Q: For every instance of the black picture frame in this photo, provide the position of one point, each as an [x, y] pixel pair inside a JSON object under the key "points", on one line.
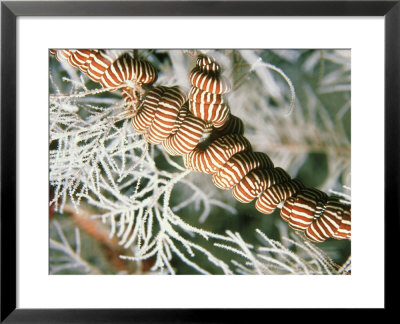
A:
{"points": [[10, 10]]}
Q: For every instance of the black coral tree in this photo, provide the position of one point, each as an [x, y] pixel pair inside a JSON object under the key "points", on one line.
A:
{"points": [[120, 205]]}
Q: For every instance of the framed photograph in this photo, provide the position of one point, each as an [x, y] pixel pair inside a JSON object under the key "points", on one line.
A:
{"points": [[161, 160]]}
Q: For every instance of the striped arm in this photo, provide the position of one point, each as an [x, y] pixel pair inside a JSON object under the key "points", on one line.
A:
{"points": [[165, 118], [108, 71], [205, 97], [318, 215]]}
